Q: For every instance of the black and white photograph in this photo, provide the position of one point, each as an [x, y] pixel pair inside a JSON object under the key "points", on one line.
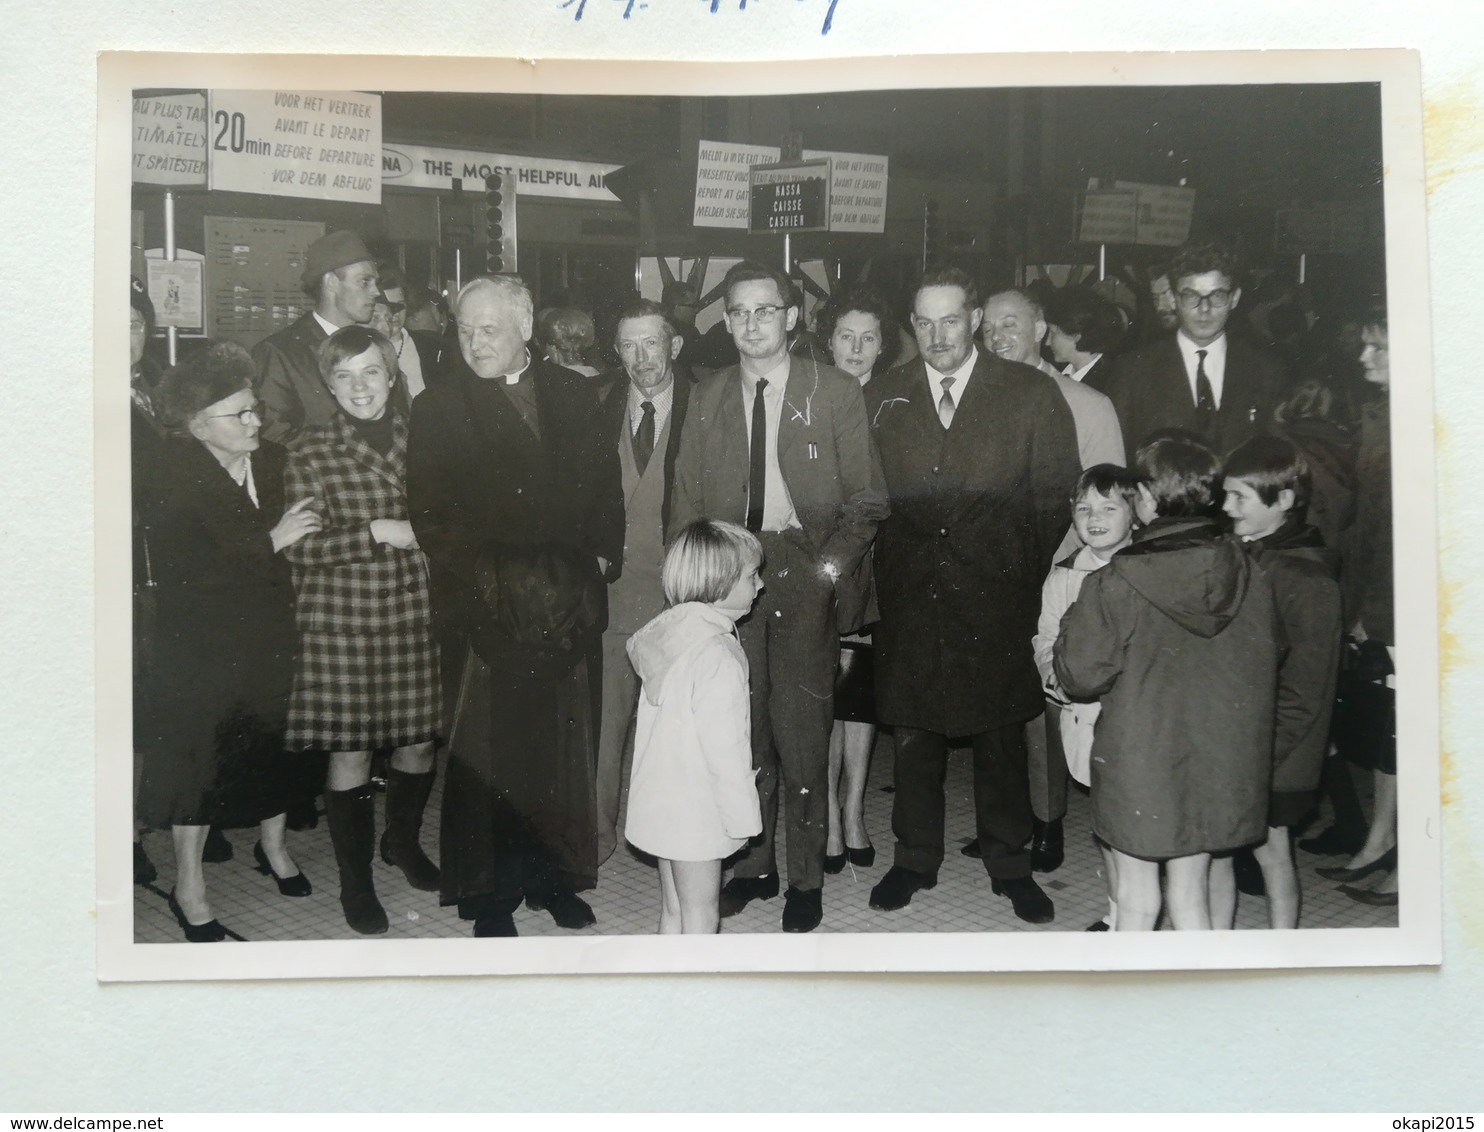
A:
{"points": [[873, 515]]}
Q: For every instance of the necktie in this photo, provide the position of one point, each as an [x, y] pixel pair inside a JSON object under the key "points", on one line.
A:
{"points": [[945, 403], [757, 477], [1205, 398], [644, 437]]}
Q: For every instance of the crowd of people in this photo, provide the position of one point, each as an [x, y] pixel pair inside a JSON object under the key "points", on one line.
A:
{"points": [[1140, 553]]}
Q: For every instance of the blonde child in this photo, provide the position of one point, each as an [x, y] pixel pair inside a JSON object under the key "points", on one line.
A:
{"points": [[1103, 516], [692, 796]]}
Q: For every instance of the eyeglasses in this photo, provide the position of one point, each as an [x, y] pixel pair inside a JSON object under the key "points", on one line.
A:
{"points": [[1216, 300], [245, 417], [763, 316]]}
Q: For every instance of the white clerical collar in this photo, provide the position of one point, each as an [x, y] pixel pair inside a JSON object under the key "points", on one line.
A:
{"points": [[514, 378]]}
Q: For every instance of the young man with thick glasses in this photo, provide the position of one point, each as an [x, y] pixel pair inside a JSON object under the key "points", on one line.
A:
{"points": [[1202, 379]]}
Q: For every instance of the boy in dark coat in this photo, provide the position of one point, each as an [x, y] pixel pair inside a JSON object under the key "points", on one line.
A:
{"points": [[1267, 488], [1178, 638]]}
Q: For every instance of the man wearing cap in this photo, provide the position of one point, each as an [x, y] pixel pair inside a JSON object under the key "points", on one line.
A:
{"points": [[340, 275], [421, 357]]}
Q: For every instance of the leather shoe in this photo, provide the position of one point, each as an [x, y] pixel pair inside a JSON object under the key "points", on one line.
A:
{"points": [[802, 909], [1333, 842], [972, 849], [567, 909], [209, 932], [738, 892], [144, 868], [861, 858], [834, 863], [1099, 926], [1367, 896], [895, 889], [1386, 860], [217, 848], [1030, 903], [488, 927], [296, 885], [1047, 852]]}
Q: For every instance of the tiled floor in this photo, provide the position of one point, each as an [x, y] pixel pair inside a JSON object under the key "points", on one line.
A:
{"points": [[626, 900]]}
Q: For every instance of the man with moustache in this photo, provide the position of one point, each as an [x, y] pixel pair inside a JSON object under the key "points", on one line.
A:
{"points": [[514, 494], [1201, 379], [643, 409], [980, 455], [340, 276], [781, 443]]}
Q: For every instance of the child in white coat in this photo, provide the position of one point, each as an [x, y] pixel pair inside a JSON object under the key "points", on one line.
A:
{"points": [[692, 792], [1104, 517]]}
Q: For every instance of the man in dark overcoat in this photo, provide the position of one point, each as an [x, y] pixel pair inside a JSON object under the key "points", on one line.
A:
{"points": [[510, 478], [1201, 379], [340, 276], [644, 405], [782, 443], [980, 457]]}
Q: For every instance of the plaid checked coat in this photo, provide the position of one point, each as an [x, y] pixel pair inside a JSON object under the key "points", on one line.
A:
{"points": [[367, 672]]}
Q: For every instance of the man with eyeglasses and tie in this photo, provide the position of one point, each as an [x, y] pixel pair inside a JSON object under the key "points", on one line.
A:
{"points": [[782, 445], [644, 405], [1201, 379], [980, 455]]}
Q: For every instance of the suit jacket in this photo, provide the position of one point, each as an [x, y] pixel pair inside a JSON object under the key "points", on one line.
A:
{"points": [[829, 464], [294, 395], [1151, 392], [1099, 437], [437, 355], [613, 390], [977, 512], [477, 479]]}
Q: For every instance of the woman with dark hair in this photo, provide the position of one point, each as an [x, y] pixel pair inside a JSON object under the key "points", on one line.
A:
{"points": [[224, 645], [863, 341], [367, 675], [1082, 329]]}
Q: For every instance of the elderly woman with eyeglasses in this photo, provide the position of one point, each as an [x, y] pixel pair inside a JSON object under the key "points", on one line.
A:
{"points": [[225, 639]]}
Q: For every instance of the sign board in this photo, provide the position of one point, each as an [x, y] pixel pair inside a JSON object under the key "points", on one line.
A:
{"points": [[790, 196], [176, 291], [1108, 217], [857, 186], [325, 145], [253, 270], [1165, 212], [436, 167], [169, 140], [1319, 231]]}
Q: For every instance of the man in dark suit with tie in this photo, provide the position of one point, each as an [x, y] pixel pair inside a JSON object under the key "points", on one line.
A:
{"points": [[340, 275], [980, 456], [782, 444], [644, 406], [1221, 388]]}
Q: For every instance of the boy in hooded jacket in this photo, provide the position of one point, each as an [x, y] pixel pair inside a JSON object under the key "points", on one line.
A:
{"points": [[1178, 638]]}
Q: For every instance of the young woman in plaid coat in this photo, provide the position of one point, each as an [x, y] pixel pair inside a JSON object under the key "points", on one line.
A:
{"points": [[367, 675]]}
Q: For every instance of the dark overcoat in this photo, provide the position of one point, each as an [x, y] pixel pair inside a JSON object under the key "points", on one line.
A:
{"points": [[519, 806], [224, 643], [1179, 640], [1151, 392], [977, 512], [350, 695]]}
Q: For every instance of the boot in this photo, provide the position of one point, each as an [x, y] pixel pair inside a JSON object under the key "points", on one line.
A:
{"points": [[406, 795], [351, 815]]}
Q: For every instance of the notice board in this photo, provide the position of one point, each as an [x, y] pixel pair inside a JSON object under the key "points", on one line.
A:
{"points": [[252, 275]]}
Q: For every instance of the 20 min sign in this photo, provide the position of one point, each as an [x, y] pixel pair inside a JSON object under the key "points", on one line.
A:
{"points": [[320, 144]]}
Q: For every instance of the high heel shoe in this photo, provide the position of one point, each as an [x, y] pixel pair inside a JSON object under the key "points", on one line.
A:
{"points": [[1385, 861], [835, 862], [861, 858], [296, 885], [1371, 897], [209, 932]]}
